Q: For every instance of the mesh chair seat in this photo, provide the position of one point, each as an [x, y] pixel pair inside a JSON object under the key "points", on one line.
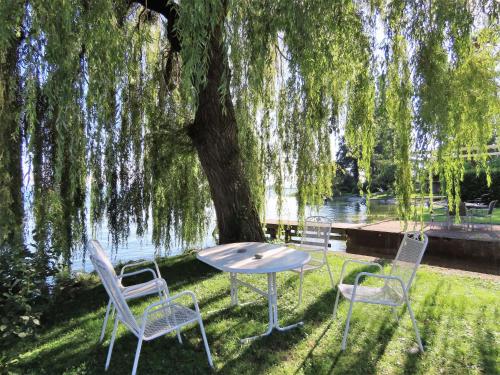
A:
{"points": [[368, 294], [147, 288], [309, 267], [166, 319]]}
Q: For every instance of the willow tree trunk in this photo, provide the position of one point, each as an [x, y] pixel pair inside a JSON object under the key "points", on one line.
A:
{"points": [[11, 222], [215, 135]]}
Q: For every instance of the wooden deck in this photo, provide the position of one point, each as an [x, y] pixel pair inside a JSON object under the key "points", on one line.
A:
{"points": [[294, 223], [291, 233], [477, 250], [480, 232]]}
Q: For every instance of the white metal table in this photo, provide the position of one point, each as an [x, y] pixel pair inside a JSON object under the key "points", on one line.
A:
{"points": [[241, 258], [476, 205]]}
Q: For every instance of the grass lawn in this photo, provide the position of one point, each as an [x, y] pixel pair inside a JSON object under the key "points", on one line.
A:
{"points": [[457, 315], [495, 217]]}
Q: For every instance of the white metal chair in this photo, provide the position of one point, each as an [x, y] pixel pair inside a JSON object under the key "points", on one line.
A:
{"points": [[397, 284], [158, 319], [482, 213], [315, 239], [449, 215], [154, 286]]}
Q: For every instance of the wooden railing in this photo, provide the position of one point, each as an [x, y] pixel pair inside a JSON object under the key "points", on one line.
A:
{"points": [[291, 232]]}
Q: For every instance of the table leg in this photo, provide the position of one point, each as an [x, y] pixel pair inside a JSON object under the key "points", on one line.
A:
{"points": [[276, 321], [270, 306], [272, 301], [234, 289]]}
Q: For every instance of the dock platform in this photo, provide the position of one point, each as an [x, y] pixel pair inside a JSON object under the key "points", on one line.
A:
{"points": [[477, 250]]}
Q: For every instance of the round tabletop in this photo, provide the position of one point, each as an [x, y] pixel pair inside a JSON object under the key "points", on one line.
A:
{"points": [[240, 257]]}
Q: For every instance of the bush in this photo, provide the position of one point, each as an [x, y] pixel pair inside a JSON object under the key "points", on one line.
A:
{"points": [[474, 186], [344, 182], [383, 176], [20, 295]]}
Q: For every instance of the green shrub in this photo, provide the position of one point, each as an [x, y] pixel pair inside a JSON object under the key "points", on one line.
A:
{"points": [[20, 296], [474, 186]]}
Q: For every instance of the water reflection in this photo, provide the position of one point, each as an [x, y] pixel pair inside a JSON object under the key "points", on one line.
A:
{"points": [[344, 209], [348, 209]]}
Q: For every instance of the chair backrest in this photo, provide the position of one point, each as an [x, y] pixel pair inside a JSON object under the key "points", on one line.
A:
{"points": [[108, 277], [491, 206], [97, 251], [315, 237], [409, 256]]}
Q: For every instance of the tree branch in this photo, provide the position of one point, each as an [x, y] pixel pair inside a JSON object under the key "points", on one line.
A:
{"points": [[167, 9]]}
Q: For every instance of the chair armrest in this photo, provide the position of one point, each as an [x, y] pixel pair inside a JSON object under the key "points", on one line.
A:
{"points": [[158, 275], [124, 275], [357, 262]]}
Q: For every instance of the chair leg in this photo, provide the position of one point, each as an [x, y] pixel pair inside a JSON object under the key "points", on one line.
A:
{"points": [[164, 295], [137, 355], [103, 330], [179, 337], [110, 350], [330, 273], [336, 302], [395, 313], [205, 342], [300, 287], [420, 346], [346, 331]]}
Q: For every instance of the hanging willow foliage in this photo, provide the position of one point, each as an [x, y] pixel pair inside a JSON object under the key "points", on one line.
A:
{"points": [[399, 94], [107, 91]]}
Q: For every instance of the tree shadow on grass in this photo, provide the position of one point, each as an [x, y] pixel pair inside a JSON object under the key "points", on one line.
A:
{"points": [[486, 343], [157, 356], [53, 333], [57, 358], [186, 269], [427, 326], [309, 355], [165, 354], [268, 351], [374, 344], [182, 270], [77, 307]]}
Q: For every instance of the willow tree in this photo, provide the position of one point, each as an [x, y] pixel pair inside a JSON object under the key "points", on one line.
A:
{"points": [[163, 108]]}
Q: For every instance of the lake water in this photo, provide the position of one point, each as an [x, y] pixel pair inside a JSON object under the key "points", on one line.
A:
{"points": [[351, 209]]}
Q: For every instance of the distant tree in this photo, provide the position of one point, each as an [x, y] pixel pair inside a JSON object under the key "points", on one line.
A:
{"points": [[383, 164], [347, 173]]}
